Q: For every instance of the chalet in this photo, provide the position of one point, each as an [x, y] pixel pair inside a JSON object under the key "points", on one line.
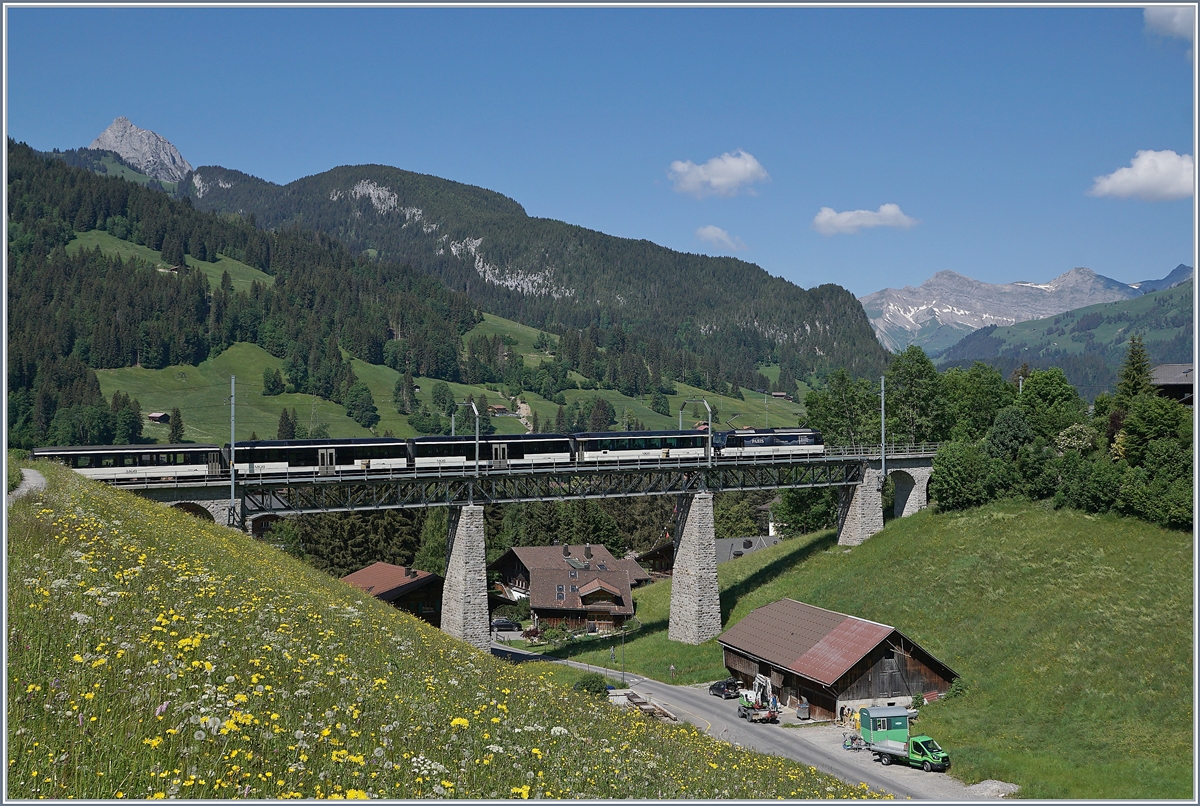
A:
{"points": [[831, 659], [158, 417], [1176, 381], [418, 592], [571, 587], [499, 411]]}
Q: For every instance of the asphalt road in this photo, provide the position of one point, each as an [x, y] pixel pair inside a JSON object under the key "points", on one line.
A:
{"points": [[817, 746]]}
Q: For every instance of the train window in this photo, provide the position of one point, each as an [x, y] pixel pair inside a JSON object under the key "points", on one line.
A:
{"points": [[82, 461]]}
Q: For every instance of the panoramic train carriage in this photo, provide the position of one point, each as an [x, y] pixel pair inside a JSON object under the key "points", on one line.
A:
{"points": [[640, 446], [760, 443], [500, 452], [138, 463], [321, 457]]}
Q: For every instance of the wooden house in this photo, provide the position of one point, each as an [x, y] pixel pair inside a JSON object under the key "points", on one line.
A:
{"points": [[418, 592], [831, 659], [570, 587]]}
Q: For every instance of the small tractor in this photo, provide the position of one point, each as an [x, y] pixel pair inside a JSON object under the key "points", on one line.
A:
{"points": [[758, 703]]}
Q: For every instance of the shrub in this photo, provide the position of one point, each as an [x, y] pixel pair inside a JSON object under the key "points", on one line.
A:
{"points": [[592, 683]]}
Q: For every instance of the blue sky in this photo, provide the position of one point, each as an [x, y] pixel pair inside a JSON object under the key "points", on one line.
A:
{"points": [[865, 147]]}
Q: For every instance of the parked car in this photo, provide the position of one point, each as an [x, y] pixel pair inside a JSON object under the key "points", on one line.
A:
{"points": [[505, 624], [725, 689]]}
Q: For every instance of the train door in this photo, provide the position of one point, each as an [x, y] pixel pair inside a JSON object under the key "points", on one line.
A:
{"points": [[500, 455], [326, 461], [214, 464]]}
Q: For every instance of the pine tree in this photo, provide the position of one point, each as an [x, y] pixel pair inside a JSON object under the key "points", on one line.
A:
{"points": [[1134, 378], [560, 421], [287, 426], [175, 435]]}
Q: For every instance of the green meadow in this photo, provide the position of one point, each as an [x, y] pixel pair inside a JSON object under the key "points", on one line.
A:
{"points": [[241, 274], [1073, 635], [153, 655]]}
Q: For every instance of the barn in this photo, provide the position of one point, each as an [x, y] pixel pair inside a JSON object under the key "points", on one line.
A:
{"points": [[831, 659]]}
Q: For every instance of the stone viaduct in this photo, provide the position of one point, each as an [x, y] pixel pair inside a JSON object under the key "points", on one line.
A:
{"points": [[695, 601]]}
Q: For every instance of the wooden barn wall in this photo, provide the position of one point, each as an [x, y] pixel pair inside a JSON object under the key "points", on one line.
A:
{"points": [[871, 678]]}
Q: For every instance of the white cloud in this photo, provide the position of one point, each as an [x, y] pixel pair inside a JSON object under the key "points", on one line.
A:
{"points": [[829, 222], [720, 176], [1151, 176], [719, 238], [1176, 21]]}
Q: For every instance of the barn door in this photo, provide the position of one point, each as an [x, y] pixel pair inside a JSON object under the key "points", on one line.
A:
{"points": [[326, 461]]}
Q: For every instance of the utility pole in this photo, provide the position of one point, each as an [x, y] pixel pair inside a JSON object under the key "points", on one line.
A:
{"points": [[882, 431], [708, 448], [232, 450]]}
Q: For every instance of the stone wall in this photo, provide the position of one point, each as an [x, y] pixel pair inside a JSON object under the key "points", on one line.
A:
{"points": [[464, 595], [695, 599]]}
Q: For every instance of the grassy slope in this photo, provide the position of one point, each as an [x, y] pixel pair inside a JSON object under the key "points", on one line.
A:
{"points": [[241, 274], [1072, 632], [151, 655]]}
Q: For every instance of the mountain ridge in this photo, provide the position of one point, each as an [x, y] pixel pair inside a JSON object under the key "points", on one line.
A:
{"points": [[548, 273], [948, 306]]}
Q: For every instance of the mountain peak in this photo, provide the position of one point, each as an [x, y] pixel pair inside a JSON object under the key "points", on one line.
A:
{"points": [[150, 153]]}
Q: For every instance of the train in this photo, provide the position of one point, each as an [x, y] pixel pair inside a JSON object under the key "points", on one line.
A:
{"points": [[432, 455]]}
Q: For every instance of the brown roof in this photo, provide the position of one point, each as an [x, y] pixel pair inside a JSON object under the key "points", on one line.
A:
{"points": [[552, 557], [597, 584], [387, 582], [811, 641], [544, 582]]}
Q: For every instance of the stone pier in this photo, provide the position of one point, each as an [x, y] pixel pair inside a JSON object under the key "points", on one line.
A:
{"points": [[860, 514], [695, 599], [464, 595]]}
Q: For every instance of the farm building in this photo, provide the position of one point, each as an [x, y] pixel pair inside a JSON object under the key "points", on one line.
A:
{"points": [[418, 592], [661, 559], [831, 659], [1175, 381], [158, 417], [571, 587]]}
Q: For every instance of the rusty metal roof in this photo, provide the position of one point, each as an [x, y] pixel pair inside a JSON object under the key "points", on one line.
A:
{"points": [[387, 582], [811, 641]]}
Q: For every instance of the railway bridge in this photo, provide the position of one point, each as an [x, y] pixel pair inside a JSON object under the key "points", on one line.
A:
{"points": [[858, 473]]}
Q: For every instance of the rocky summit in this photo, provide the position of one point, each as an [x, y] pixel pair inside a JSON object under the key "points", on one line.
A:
{"points": [[150, 153], [948, 306]]}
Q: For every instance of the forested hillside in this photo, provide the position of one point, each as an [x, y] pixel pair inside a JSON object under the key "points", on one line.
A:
{"points": [[71, 313], [728, 313]]}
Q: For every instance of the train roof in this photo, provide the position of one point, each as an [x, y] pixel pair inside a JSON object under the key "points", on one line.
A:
{"points": [[316, 443], [143, 448], [631, 434]]}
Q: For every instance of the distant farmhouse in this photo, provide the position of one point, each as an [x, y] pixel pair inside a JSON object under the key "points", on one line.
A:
{"points": [[831, 659], [580, 587], [661, 559], [418, 592], [1176, 381]]}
